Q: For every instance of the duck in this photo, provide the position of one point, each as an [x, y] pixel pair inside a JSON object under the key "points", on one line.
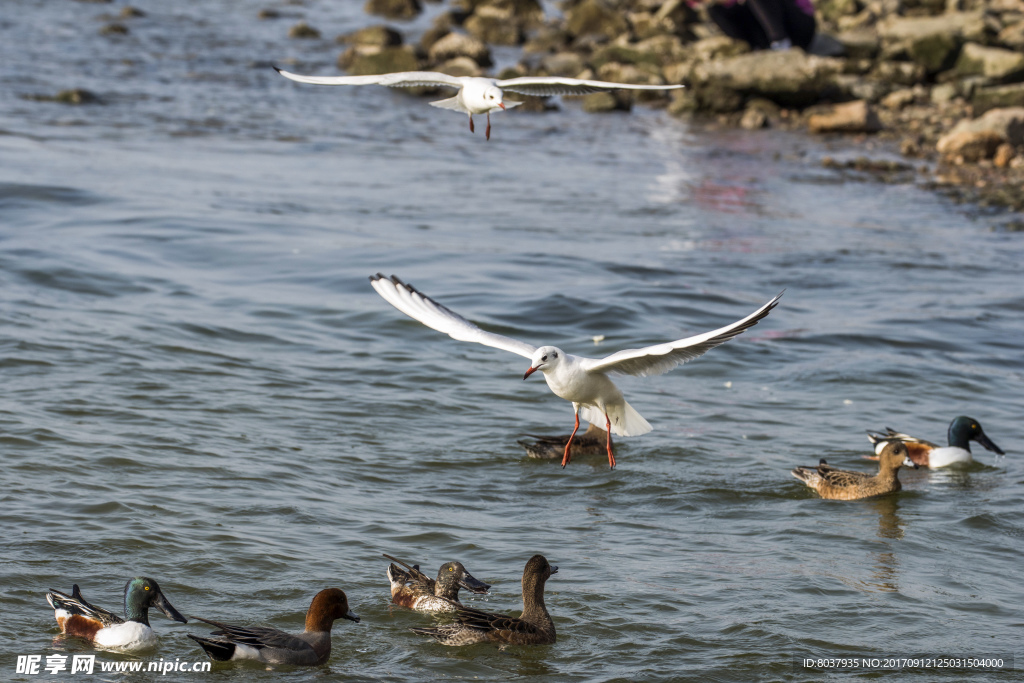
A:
{"points": [[533, 627], [962, 430], [590, 442], [76, 617], [264, 644], [413, 589], [846, 485]]}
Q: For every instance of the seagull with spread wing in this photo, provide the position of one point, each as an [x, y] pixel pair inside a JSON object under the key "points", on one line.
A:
{"points": [[583, 381], [477, 95]]}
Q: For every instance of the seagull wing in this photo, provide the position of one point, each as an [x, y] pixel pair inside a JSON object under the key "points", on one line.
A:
{"points": [[432, 314], [660, 358], [550, 85], [401, 79]]}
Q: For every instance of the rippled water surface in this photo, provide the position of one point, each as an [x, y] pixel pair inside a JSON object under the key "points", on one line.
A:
{"points": [[200, 385]]}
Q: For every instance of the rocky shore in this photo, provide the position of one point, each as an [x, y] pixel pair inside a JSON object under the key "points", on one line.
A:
{"points": [[941, 81]]}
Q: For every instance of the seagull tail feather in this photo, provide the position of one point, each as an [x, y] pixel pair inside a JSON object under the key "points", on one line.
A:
{"points": [[624, 418]]}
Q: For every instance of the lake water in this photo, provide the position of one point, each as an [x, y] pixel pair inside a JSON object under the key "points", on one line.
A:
{"points": [[201, 386]]}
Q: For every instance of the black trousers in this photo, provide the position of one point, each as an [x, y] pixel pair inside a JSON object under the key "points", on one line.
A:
{"points": [[762, 22]]}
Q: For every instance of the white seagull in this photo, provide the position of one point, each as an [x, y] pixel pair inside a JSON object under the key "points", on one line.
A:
{"points": [[477, 95], [583, 381]]}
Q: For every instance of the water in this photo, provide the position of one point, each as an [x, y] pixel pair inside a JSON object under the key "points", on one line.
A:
{"points": [[200, 386]]}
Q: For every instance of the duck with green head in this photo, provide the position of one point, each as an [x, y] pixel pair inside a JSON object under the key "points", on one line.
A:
{"points": [[962, 430], [76, 617]]}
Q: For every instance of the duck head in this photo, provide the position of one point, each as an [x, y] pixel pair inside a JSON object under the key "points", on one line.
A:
{"points": [[963, 430], [453, 575], [327, 606], [545, 359], [895, 455], [140, 594]]}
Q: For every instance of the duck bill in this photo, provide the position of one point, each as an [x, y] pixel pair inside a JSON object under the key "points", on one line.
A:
{"points": [[167, 608], [554, 569], [352, 616], [907, 462], [987, 443], [529, 372], [471, 584]]}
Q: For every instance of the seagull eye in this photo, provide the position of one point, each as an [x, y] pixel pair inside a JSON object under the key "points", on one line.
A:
{"points": [[544, 357]]}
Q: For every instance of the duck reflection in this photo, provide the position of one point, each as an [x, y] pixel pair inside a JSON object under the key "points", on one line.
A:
{"points": [[885, 564]]}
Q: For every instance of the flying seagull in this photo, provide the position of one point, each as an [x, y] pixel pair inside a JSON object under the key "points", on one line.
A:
{"points": [[477, 95], [583, 381]]}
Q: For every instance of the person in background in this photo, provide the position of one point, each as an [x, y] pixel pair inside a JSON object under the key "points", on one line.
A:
{"points": [[764, 24]]}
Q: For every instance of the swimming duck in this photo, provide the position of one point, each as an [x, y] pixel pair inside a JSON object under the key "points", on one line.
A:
{"points": [[962, 430], [845, 485], [312, 647], [591, 442], [414, 589], [261, 643], [533, 627], [77, 617]]}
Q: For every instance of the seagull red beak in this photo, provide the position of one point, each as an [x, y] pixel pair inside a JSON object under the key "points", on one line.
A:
{"points": [[502, 105], [529, 372]]}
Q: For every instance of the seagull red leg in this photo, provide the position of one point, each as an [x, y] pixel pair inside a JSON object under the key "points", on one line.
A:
{"points": [[488, 125], [608, 427], [568, 444], [471, 129]]}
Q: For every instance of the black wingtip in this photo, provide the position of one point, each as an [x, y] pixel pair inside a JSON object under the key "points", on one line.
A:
{"points": [[276, 68]]}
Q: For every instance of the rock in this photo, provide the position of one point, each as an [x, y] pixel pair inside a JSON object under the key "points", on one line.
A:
{"points": [[114, 29], [372, 61], [623, 55], [304, 31], [984, 99], [567, 64], [394, 9], [265, 14], [899, 73], [754, 119], [860, 88], [1007, 123], [1012, 36], [997, 64], [630, 73], [664, 48], [460, 45], [75, 96], [374, 36], [933, 42], [898, 99], [969, 146], [788, 77], [859, 44], [1004, 155], [832, 10], [944, 93], [603, 102], [595, 18], [494, 26], [851, 117], [129, 12], [717, 47], [547, 39], [460, 66]]}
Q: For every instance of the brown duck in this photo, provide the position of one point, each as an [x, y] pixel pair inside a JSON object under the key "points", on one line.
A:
{"points": [[533, 627], [591, 442], [846, 485]]}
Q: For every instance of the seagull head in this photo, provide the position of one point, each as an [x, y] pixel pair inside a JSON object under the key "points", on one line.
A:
{"points": [[494, 96], [545, 359]]}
